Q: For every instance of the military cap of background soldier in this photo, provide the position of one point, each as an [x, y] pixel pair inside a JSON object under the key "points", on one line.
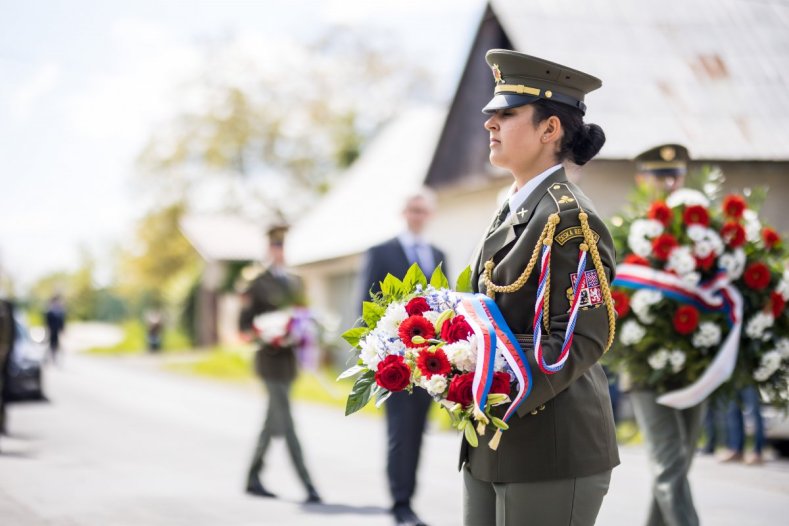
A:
{"points": [[662, 167], [522, 79], [276, 234]]}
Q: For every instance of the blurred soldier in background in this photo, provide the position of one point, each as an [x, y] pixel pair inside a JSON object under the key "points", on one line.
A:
{"points": [[55, 316], [273, 290], [405, 414]]}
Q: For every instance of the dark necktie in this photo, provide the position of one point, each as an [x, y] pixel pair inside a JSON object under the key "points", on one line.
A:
{"points": [[505, 211]]}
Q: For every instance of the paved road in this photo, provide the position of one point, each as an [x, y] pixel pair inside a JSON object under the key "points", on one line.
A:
{"points": [[123, 443]]}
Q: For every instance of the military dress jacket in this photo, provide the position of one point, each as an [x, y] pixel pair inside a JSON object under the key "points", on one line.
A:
{"points": [[267, 293], [565, 427]]}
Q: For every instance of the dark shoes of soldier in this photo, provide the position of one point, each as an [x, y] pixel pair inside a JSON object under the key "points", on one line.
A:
{"points": [[405, 516], [312, 496], [254, 487]]}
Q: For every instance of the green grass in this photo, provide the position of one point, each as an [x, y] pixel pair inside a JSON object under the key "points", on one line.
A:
{"points": [[134, 340]]}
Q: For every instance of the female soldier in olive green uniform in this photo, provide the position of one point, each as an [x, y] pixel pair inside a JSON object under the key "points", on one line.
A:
{"points": [[553, 465]]}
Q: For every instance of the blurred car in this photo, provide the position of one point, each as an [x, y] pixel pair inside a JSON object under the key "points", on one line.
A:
{"points": [[776, 428], [25, 366]]}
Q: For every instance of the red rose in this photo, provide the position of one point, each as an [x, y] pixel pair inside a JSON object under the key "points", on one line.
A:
{"points": [[756, 276], [734, 206], [621, 303], [431, 363], [659, 211], [416, 326], [460, 389], [663, 245], [635, 259], [686, 319], [777, 304], [706, 262], [733, 234], [501, 383], [696, 215], [417, 306], [393, 373], [456, 329], [770, 237]]}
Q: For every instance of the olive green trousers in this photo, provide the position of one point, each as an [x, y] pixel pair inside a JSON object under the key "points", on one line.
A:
{"points": [[563, 502]]}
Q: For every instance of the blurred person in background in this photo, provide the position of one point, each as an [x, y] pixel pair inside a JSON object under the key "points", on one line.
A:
{"points": [[154, 325], [406, 414], [747, 403], [670, 434], [55, 317], [275, 289], [7, 338]]}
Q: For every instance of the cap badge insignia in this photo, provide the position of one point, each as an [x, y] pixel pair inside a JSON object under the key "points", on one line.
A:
{"points": [[496, 73], [667, 153]]}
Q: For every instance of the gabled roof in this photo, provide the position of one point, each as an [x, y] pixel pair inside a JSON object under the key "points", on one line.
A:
{"points": [[364, 207], [710, 74]]}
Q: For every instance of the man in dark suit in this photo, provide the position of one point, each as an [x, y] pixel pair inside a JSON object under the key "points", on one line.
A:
{"points": [[275, 289], [405, 414]]}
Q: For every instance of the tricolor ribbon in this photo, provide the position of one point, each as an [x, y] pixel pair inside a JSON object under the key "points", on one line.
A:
{"points": [[716, 295], [492, 333]]}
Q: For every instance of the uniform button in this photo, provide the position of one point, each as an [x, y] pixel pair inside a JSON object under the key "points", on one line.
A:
{"points": [[542, 407], [534, 412]]}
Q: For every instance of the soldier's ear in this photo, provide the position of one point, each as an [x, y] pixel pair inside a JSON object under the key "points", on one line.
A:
{"points": [[552, 130]]}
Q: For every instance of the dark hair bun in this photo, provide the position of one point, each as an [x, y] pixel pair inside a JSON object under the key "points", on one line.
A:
{"points": [[586, 143]]}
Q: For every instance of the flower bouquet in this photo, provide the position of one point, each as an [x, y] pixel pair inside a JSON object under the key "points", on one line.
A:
{"points": [[451, 343], [677, 313], [757, 265], [293, 328]]}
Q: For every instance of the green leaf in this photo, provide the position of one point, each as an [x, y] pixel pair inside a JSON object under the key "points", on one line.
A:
{"points": [[360, 393], [438, 279], [381, 397], [355, 334], [414, 277], [498, 422], [351, 371], [371, 313], [471, 435], [391, 287], [463, 283]]}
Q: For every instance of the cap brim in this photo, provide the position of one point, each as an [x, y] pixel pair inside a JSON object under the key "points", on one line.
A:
{"points": [[502, 101]]}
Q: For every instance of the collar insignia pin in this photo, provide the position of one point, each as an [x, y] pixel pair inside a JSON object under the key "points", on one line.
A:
{"points": [[522, 212]]}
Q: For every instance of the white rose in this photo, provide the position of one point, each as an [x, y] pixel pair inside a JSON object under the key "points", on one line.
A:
{"points": [[436, 385], [372, 350], [631, 333]]}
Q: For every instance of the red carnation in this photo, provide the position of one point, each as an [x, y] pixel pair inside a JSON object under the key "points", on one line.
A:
{"points": [[663, 245], [733, 234], [696, 215], [416, 326], [757, 276], [635, 259], [686, 319], [417, 306], [770, 237], [660, 211], [460, 389], [431, 363], [501, 383], [777, 304], [621, 303], [734, 206], [456, 329], [706, 263], [393, 373]]}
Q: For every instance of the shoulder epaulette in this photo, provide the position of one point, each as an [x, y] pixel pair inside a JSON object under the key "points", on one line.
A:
{"points": [[563, 197]]}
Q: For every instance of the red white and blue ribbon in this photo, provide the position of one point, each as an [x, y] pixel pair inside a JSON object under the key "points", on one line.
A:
{"points": [[493, 333], [545, 273], [716, 295]]}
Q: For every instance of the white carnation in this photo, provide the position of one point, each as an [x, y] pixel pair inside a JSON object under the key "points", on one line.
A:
{"points": [[677, 359], [681, 261], [462, 354], [641, 302], [688, 197], [771, 360], [692, 278], [373, 351], [733, 263], [392, 318], [756, 328], [436, 385], [696, 233], [707, 335], [762, 374], [782, 346], [783, 286], [431, 316], [631, 333], [641, 231], [659, 359], [753, 227]]}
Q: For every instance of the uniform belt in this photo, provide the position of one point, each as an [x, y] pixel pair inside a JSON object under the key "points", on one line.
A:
{"points": [[527, 340]]}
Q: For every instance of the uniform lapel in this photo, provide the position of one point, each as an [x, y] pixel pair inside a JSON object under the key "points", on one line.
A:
{"points": [[506, 232]]}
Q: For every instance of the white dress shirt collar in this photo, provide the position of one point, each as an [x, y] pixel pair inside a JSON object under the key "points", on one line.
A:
{"points": [[517, 198]]}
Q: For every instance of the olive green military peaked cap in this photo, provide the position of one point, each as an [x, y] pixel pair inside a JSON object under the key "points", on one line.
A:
{"points": [[522, 79], [664, 160], [276, 233]]}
